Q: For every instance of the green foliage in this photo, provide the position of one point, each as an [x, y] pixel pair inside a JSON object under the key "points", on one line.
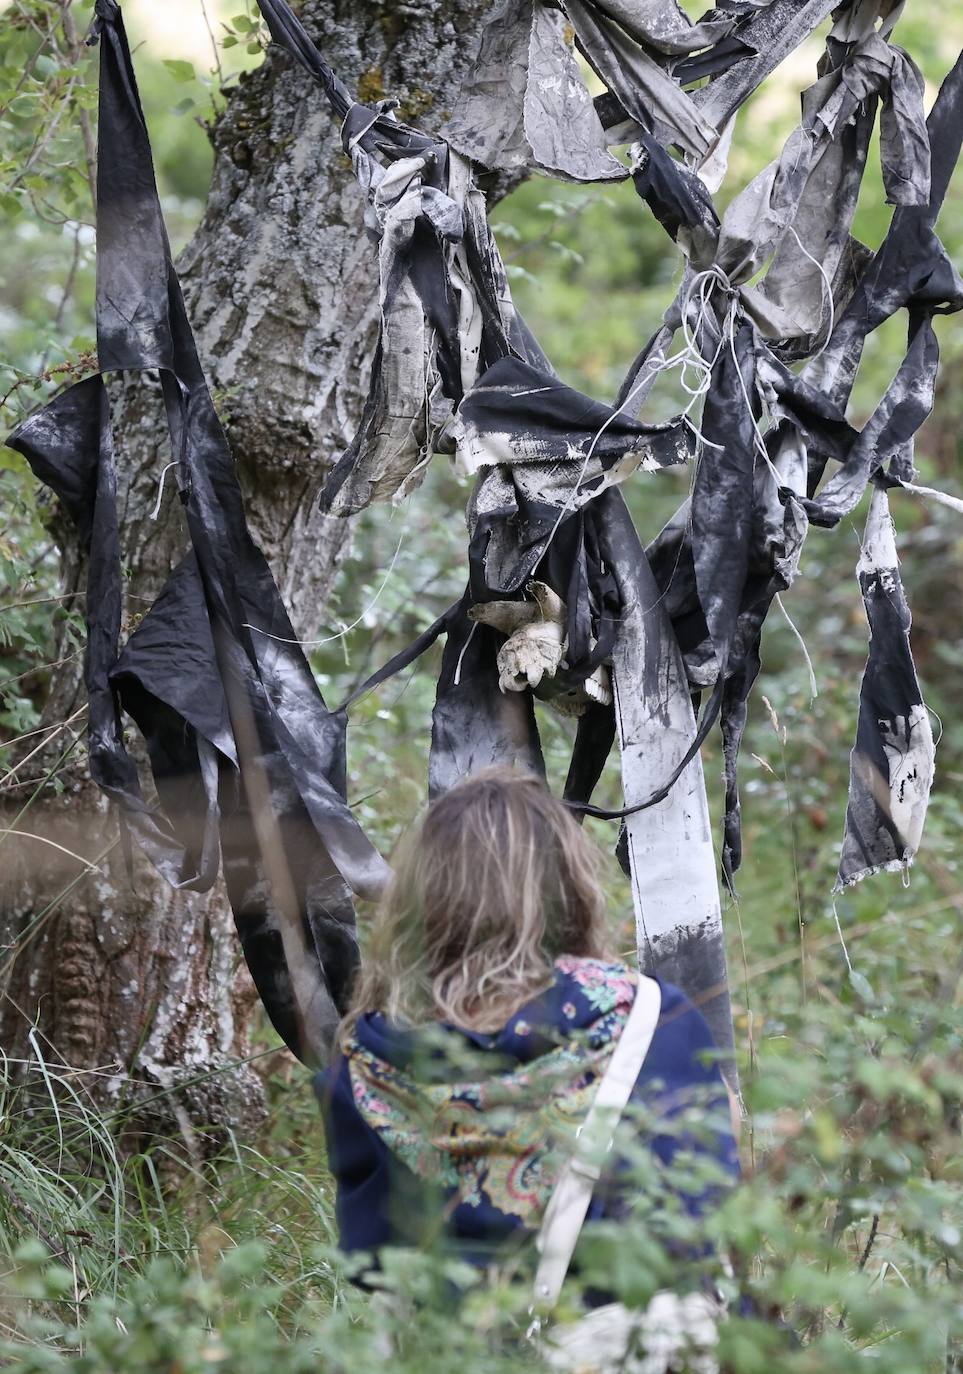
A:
{"points": [[848, 1225], [246, 29], [48, 103], [849, 1221]]}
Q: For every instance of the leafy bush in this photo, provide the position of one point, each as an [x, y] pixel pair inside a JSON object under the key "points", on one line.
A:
{"points": [[845, 1236], [121, 1258]]}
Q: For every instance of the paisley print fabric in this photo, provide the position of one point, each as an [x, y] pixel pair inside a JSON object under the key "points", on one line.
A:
{"points": [[437, 1133], [497, 1140]]}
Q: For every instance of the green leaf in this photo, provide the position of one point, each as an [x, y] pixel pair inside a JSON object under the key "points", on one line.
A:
{"points": [[79, 179], [861, 986], [180, 70], [229, 42], [243, 24], [23, 105]]}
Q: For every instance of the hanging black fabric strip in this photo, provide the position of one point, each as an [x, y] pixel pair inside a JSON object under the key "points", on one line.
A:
{"points": [[69, 446], [619, 545], [891, 764], [245, 756], [474, 724], [594, 737], [280, 779]]}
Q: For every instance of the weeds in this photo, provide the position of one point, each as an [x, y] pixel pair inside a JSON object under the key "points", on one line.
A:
{"points": [[849, 1230]]}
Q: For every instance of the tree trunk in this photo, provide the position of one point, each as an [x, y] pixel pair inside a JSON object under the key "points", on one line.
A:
{"points": [[118, 970]]}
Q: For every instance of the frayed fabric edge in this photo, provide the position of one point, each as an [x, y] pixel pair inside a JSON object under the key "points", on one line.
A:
{"points": [[891, 866]]}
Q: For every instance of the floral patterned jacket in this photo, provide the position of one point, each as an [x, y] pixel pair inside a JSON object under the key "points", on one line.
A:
{"points": [[439, 1130]]}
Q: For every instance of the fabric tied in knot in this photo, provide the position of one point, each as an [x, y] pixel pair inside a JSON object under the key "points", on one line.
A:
{"points": [[105, 12]]}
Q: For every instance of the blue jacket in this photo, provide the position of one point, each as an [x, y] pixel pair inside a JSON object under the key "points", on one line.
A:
{"points": [[382, 1202]]}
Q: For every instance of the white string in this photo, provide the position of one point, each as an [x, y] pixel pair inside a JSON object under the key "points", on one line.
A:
{"points": [[829, 292], [777, 478], [929, 710], [160, 490], [329, 639], [464, 650], [705, 282], [839, 930], [756, 431], [689, 356], [813, 688], [352, 143]]}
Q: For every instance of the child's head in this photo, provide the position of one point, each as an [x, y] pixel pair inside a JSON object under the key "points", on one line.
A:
{"points": [[496, 882]]}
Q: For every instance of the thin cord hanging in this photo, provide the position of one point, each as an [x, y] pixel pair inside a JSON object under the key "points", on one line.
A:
{"points": [[813, 687], [160, 489], [330, 639]]}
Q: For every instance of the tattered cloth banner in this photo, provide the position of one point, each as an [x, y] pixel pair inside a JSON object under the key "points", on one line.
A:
{"points": [[562, 602], [891, 766], [246, 758]]}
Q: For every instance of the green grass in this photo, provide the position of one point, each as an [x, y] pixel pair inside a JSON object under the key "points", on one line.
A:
{"points": [[849, 1223]]}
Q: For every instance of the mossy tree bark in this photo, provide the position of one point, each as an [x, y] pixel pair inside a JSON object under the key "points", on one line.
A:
{"points": [[115, 970]]}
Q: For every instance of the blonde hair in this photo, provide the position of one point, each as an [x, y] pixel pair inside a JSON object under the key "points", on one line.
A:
{"points": [[495, 884]]}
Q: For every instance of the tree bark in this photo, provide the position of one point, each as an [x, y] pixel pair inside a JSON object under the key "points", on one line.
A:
{"points": [[114, 969]]}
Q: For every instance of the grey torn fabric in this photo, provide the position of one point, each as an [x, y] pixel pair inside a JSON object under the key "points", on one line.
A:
{"points": [[392, 439], [562, 128], [889, 430], [794, 289], [801, 206], [519, 415], [644, 89], [445, 308], [910, 270], [665, 26], [712, 167], [904, 146], [779, 529], [524, 102], [770, 34], [892, 762], [487, 123]]}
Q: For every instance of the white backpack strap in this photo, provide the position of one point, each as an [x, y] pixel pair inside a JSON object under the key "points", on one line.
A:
{"points": [[570, 1200]]}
